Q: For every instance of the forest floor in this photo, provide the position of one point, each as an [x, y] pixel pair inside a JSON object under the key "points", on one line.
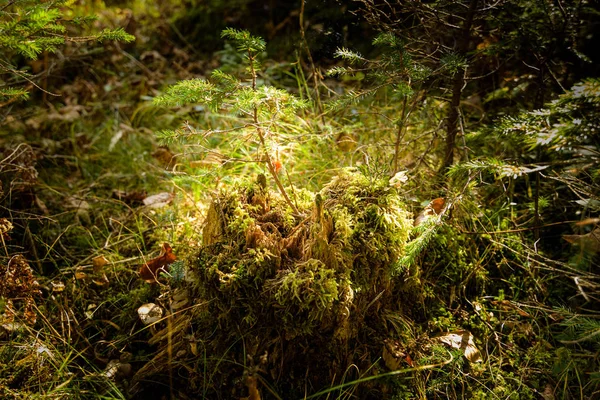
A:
{"points": [[92, 200]]}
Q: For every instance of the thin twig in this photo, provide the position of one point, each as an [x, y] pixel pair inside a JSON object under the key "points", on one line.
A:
{"points": [[311, 61]]}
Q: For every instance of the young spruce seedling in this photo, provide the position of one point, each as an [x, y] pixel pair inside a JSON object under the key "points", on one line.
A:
{"points": [[264, 107]]}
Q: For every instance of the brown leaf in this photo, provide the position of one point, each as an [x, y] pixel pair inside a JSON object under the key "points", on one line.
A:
{"points": [[101, 281], [41, 205], [149, 271], [399, 179], [132, 198], [213, 159], [437, 205], [252, 384], [589, 243], [462, 340], [158, 200], [588, 221], [434, 207], [57, 287], [548, 393], [99, 262], [5, 227], [165, 157], [80, 273], [150, 313], [194, 348], [394, 353]]}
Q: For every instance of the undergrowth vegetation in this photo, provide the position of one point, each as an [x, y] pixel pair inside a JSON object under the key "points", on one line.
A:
{"points": [[418, 222]]}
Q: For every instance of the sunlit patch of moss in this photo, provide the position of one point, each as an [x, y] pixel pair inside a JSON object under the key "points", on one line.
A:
{"points": [[312, 276], [307, 293], [370, 216], [240, 221]]}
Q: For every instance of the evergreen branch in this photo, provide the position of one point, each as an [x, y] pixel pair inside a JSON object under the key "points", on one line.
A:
{"points": [[425, 233], [349, 55], [118, 35], [192, 91]]}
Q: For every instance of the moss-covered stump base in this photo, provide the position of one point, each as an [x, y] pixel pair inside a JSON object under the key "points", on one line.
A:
{"points": [[296, 299]]}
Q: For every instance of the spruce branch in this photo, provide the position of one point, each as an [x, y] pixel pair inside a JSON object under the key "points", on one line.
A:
{"points": [[264, 106]]}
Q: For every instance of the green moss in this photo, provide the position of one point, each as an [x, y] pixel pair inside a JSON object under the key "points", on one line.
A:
{"points": [[306, 296], [313, 277]]}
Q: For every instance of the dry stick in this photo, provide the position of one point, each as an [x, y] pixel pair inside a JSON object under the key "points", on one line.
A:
{"points": [[429, 147], [400, 135], [292, 187], [170, 348], [45, 79], [582, 339], [311, 61], [536, 215], [272, 168], [517, 230], [261, 137], [537, 205], [462, 135], [580, 287], [23, 76], [34, 252], [10, 3], [402, 128], [4, 244]]}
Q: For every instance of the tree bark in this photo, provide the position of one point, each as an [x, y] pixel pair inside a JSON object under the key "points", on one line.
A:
{"points": [[457, 87]]}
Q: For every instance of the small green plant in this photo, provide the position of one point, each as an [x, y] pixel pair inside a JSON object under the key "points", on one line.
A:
{"points": [[29, 28], [396, 72], [264, 108]]}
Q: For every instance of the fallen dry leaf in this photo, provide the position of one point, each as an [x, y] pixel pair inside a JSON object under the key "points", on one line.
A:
{"points": [[80, 274], [115, 139], [81, 208], [100, 278], [437, 205], [548, 393], [91, 309], [434, 207], [150, 271], [399, 179], [394, 354], [180, 299], [67, 113], [588, 221], [99, 262], [132, 198], [101, 281], [589, 243], [462, 340], [165, 157], [57, 287], [76, 203], [158, 200], [213, 159], [150, 313], [252, 385], [11, 327], [5, 227], [41, 205]]}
